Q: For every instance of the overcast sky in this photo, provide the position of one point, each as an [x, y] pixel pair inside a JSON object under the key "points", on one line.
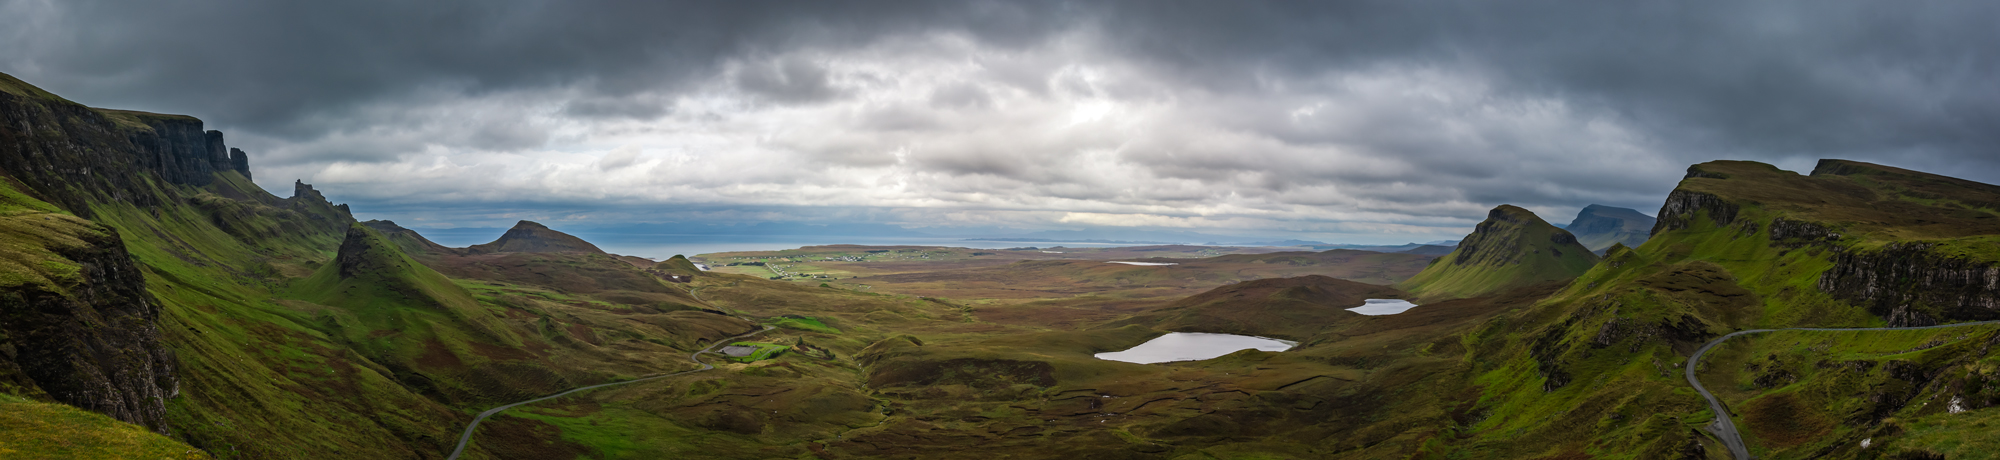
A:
{"points": [[1348, 121]]}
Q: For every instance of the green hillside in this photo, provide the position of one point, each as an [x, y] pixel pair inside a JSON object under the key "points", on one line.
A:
{"points": [[270, 327], [678, 265], [1744, 245], [1512, 248]]}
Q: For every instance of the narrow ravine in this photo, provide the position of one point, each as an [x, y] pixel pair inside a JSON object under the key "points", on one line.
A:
{"points": [[1723, 427], [466, 439]]}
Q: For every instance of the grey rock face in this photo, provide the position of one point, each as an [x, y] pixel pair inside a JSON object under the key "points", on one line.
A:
{"points": [[1910, 285], [96, 346], [1679, 212]]}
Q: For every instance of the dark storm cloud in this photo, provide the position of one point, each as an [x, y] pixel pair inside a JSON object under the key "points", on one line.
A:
{"points": [[1430, 109], [270, 65]]}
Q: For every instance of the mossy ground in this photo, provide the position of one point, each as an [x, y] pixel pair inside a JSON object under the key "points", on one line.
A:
{"points": [[804, 323]]}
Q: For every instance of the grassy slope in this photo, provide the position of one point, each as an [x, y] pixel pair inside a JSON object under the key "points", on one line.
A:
{"points": [[30, 232], [1598, 362], [260, 378], [281, 358], [30, 429], [1511, 249], [1802, 394]]}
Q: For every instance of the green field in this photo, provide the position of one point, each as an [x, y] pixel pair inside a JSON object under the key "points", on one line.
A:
{"points": [[764, 351]]}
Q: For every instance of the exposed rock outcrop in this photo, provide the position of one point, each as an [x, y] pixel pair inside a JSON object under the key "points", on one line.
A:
{"points": [[1909, 284], [1682, 206], [326, 215], [240, 162], [85, 335], [69, 154]]}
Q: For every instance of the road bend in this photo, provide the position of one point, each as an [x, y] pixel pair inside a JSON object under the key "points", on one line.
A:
{"points": [[466, 439], [1723, 427]]}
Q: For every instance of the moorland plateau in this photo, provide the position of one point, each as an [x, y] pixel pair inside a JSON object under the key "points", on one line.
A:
{"points": [[154, 303]]}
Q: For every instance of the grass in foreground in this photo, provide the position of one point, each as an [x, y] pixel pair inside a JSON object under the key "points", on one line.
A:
{"points": [[30, 429]]}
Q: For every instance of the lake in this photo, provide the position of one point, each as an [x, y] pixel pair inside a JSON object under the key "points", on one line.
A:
{"points": [[1379, 307], [1193, 346]]}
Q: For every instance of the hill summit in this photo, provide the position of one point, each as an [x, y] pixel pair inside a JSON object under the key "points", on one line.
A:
{"points": [[678, 265], [1512, 248], [528, 236], [1598, 227]]}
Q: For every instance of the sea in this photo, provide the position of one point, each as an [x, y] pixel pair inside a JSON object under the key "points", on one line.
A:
{"points": [[665, 245]]}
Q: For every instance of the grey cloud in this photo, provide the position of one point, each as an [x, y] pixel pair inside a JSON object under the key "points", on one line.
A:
{"points": [[787, 80], [611, 107], [960, 96]]}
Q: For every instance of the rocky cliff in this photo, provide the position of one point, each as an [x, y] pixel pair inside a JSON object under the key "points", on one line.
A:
{"points": [[77, 325], [70, 154]]}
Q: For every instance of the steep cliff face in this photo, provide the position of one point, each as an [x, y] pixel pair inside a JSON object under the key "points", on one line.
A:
{"points": [[1511, 248], [72, 154], [1910, 284], [77, 325]]}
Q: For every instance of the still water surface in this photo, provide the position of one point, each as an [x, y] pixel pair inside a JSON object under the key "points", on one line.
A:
{"points": [[1378, 307], [1193, 346]]}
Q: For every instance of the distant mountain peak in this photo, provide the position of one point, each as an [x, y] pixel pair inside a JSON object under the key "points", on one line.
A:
{"points": [[528, 236], [1598, 227]]}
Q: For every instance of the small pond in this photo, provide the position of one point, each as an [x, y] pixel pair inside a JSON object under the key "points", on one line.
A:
{"points": [[1149, 264], [1193, 346], [1378, 307]]}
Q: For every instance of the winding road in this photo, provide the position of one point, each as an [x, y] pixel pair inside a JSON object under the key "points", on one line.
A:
{"points": [[466, 439], [1725, 429]]}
